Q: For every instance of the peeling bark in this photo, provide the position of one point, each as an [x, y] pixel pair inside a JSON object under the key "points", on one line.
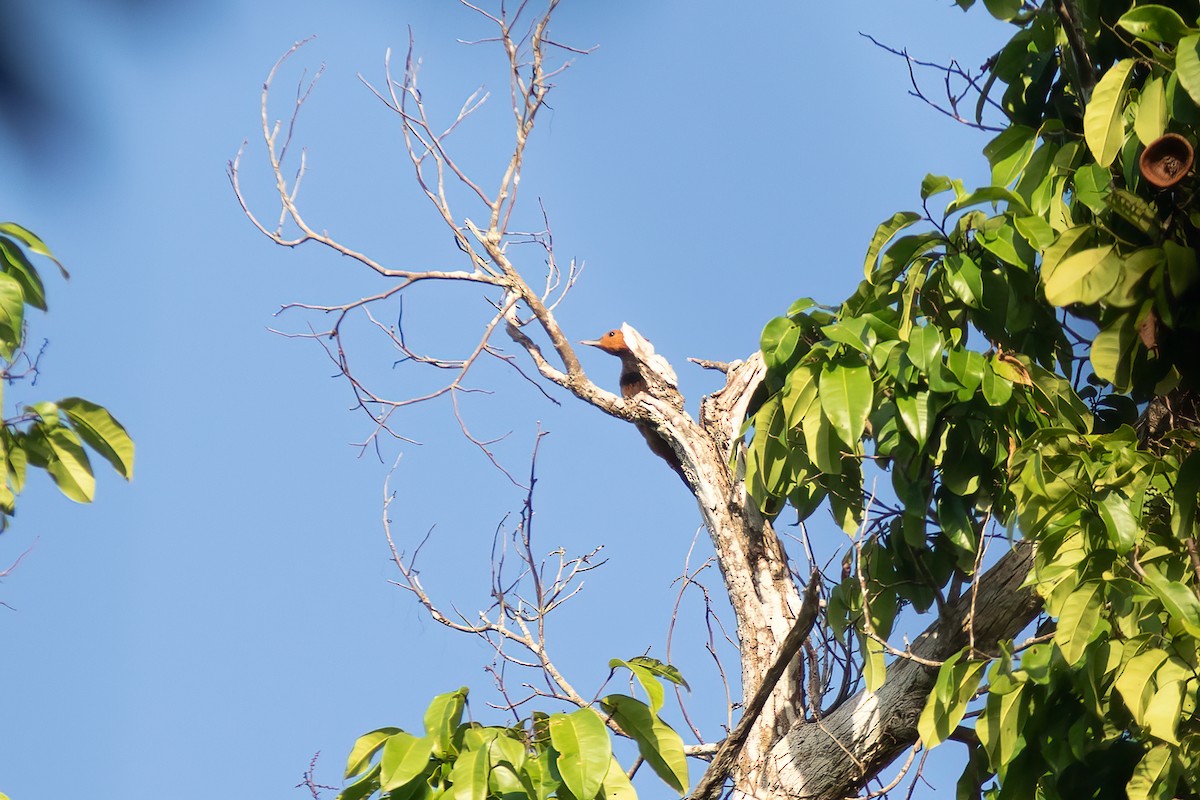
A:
{"points": [[834, 757]]}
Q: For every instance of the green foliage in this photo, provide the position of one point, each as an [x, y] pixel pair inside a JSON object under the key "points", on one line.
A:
{"points": [[993, 363], [564, 755], [45, 435]]}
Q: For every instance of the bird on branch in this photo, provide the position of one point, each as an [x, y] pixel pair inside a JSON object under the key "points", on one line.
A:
{"points": [[641, 370]]}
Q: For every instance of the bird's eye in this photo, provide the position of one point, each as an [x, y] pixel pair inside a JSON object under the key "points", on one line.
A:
{"points": [[611, 334]]}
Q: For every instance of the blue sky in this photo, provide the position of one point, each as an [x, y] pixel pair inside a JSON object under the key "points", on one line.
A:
{"points": [[210, 626]]}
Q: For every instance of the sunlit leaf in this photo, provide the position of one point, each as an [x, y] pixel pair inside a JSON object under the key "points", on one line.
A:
{"points": [[584, 750], [1154, 23], [1103, 119], [659, 745]]}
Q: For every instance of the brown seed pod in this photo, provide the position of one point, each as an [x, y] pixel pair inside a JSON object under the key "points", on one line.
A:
{"points": [[1167, 160]]}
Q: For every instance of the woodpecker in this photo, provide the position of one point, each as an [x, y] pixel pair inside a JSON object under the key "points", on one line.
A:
{"points": [[638, 359]]}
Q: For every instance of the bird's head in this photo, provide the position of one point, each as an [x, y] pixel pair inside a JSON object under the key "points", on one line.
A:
{"points": [[611, 342]]}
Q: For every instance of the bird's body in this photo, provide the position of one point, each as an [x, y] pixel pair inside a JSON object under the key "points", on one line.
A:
{"points": [[637, 355]]}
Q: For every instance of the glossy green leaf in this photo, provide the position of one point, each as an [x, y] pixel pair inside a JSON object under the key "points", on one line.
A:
{"points": [[1151, 120], [1152, 777], [1083, 277], [846, 396], [1135, 683], [915, 413], [999, 727], [800, 395], [12, 315], [617, 785], [1154, 23], [1004, 10], [661, 669], [1179, 599], [17, 265], [883, 234], [1091, 185], [1078, 620], [69, 467], [1187, 486], [659, 745], [32, 242], [404, 757], [874, 666], [1103, 119], [1119, 522], [947, 703], [1009, 152], [101, 431], [469, 776], [365, 747], [646, 679], [442, 717], [363, 787], [935, 184], [989, 194], [584, 750], [1112, 352], [925, 346], [1187, 65]]}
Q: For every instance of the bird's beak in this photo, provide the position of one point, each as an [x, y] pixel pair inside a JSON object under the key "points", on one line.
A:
{"points": [[592, 342]]}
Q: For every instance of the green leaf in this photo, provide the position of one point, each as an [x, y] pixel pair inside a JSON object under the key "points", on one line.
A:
{"points": [[989, 194], [1003, 10], [947, 704], [1118, 520], [925, 347], [19, 267], [1151, 120], [1083, 277], [12, 315], [916, 415], [661, 669], [69, 467], [404, 757], [935, 184], [846, 396], [659, 745], [364, 748], [616, 783], [1187, 65], [999, 728], [469, 776], [1103, 119], [442, 718], [800, 395], [883, 234], [584, 750], [1009, 152], [1154, 23], [1112, 352], [1091, 185], [31, 241], [1078, 620], [1153, 777], [1178, 599], [1187, 485], [874, 665], [362, 788], [101, 431], [646, 679], [1135, 685]]}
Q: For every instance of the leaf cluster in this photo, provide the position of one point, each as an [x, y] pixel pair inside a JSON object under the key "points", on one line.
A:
{"points": [[993, 362], [54, 437], [568, 756]]}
